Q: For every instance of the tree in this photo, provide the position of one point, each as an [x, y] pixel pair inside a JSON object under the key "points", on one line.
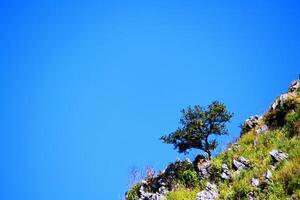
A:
{"points": [[198, 124]]}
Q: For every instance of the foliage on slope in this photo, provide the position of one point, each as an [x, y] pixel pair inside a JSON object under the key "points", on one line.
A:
{"points": [[283, 134]]}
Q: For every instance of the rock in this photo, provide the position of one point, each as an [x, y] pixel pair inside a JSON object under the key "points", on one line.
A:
{"points": [[241, 163], [244, 161], [250, 196], [279, 101], [204, 168], [160, 195], [255, 182], [262, 129], [273, 167], [250, 123], [163, 190], [255, 142], [210, 192], [268, 175], [225, 172], [278, 155], [152, 196], [294, 86]]}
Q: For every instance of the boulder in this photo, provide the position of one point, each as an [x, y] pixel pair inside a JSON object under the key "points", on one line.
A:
{"points": [[250, 123], [278, 155], [152, 196], [268, 175], [204, 168], [294, 86], [262, 129], [210, 192], [241, 163], [279, 101], [225, 172], [250, 196], [255, 182], [160, 195]]}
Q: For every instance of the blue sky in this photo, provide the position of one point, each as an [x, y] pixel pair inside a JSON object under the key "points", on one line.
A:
{"points": [[88, 87]]}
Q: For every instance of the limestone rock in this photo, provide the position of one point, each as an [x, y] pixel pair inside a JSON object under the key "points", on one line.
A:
{"points": [[250, 196], [210, 192], [268, 175], [294, 86], [279, 101], [160, 195], [241, 163], [278, 155], [225, 172], [255, 182], [262, 129], [152, 196], [204, 168], [250, 123]]}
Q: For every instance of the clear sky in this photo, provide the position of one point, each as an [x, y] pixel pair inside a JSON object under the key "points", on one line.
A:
{"points": [[88, 87]]}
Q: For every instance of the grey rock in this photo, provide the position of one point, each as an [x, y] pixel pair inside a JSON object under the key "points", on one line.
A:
{"points": [[152, 196], [241, 163], [294, 86], [244, 161], [204, 168], [225, 172], [268, 175], [278, 155], [255, 142], [262, 129], [250, 196], [163, 190], [255, 182], [279, 101], [210, 192], [250, 123], [160, 195]]}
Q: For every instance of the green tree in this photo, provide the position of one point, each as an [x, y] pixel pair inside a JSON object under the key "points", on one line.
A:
{"points": [[198, 124]]}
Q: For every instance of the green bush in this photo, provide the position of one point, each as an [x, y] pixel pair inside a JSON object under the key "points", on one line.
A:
{"points": [[134, 192], [190, 178], [241, 190], [293, 122], [183, 194], [276, 118]]}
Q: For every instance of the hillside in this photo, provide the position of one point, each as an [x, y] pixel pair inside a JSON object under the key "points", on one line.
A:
{"points": [[264, 163]]}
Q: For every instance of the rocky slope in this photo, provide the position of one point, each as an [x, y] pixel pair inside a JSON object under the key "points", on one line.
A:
{"points": [[264, 163]]}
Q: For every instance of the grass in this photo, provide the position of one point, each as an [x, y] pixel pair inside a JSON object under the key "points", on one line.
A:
{"points": [[183, 194]]}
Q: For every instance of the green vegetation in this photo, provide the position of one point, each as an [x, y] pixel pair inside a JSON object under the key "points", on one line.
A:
{"points": [[190, 178], [183, 194], [283, 135], [286, 177], [133, 193], [198, 124]]}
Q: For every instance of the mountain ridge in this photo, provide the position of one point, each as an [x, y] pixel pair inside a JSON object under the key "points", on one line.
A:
{"points": [[264, 163]]}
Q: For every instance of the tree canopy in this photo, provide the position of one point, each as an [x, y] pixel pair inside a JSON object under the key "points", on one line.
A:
{"points": [[198, 124]]}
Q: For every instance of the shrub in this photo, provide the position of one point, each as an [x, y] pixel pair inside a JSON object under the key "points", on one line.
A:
{"points": [[289, 176], [293, 122], [276, 118], [134, 192], [190, 178], [241, 190]]}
